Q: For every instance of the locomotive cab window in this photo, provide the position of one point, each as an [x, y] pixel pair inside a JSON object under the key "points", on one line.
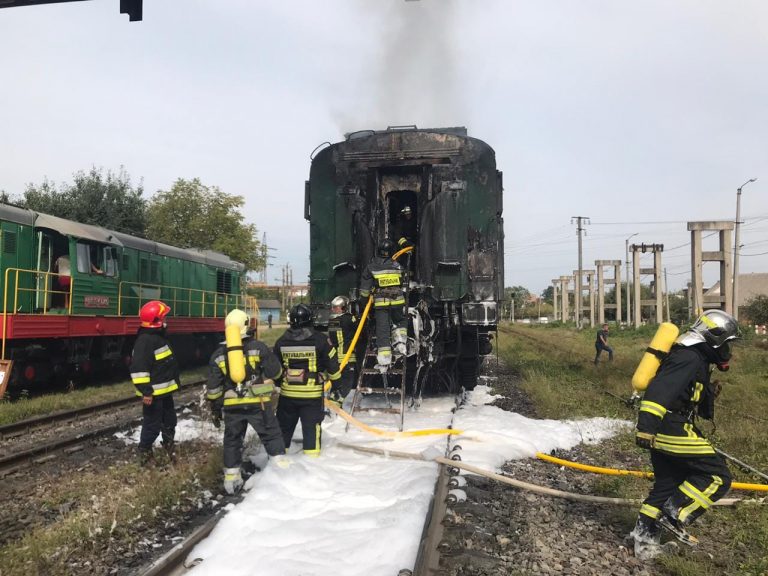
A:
{"points": [[96, 259]]}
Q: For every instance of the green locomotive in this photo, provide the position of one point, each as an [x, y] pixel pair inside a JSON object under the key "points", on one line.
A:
{"points": [[356, 195], [71, 295]]}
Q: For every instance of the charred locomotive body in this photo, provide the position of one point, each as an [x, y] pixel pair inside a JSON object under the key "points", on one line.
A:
{"points": [[355, 197]]}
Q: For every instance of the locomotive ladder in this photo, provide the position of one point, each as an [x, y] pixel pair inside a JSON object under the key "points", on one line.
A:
{"points": [[371, 381], [369, 375]]}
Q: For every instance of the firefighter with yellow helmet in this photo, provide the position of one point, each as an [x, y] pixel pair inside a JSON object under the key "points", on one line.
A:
{"points": [[242, 373], [155, 374], [689, 476]]}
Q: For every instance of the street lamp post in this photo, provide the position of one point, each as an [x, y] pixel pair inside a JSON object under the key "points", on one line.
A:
{"points": [[736, 248], [626, 251]]}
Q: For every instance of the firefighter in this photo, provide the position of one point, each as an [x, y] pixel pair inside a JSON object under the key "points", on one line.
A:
{"points": [[384, 277], [689, 474], [406, 226], [307, 357], [246, 402], [341, 329], [155, 373]]}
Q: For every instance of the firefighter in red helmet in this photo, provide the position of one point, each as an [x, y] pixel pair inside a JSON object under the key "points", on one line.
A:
{"points": [[155, 374]]}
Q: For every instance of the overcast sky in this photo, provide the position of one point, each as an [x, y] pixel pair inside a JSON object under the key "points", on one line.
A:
{"points": [[640, 115]]}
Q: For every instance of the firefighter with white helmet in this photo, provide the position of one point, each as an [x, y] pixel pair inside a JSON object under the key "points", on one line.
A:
{"points": [[689, 476], [155, 374], [341, 329], [240, 384]]}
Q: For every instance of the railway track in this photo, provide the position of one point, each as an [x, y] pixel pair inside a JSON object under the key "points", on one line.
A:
{"points": [[46, 451]]}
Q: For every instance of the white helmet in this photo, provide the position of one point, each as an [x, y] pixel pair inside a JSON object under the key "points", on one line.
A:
{"points": [[714, 328], [340, 301], [240, 319]]}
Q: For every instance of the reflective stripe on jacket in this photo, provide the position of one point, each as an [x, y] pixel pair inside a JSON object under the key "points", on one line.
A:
{"points": [[680, 390], [154, 370], [260, 365], [307, 357]]}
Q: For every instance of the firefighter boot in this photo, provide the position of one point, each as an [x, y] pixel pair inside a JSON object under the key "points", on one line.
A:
{"points": [[170, 449], [383, 358], [233, 480], [146, 458], [647, 538], [399, 340], [670, 519]]}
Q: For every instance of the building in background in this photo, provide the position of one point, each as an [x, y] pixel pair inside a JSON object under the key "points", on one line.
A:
{"points": [[267, 307]]}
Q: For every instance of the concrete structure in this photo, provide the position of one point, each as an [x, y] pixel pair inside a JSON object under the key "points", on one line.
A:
{"points": [[723, 300], [564, 291], [655, 302], [589, 275], [750, 285], [555, 298], [601, 282]]}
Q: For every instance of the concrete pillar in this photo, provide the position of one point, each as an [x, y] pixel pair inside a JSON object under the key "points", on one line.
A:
{"points": [[564, 298], [656, 301], [555, 296], [601, 284], [589, 276], [591, 283], [636, 318], [723, 256]]}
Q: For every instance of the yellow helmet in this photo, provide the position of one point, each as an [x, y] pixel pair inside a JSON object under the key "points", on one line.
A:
{"points": [[240, 319]]}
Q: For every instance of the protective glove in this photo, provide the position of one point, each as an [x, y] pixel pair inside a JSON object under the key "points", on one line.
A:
{"points": [[645, 440], [146, 400]]}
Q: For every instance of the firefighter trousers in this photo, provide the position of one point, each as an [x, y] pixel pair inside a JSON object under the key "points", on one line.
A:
{"points": [[157, 418], [386, 317], [341, 387], [265, 424], [693, 483], [307, 410]]}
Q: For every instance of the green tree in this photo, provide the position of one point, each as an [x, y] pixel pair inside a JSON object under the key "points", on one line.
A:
{"points": [[756, 309], [192, 215], [95, 197], [548, 294]]}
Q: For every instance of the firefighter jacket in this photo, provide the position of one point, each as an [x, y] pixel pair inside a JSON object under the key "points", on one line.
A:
{"points": [[680, 390], [385, 277], [307, 357], [154, 369], [341, 330], [260, 365]]}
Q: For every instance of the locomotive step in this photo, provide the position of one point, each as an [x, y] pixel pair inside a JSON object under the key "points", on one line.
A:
{"points": [[369, 390], [390, 371]]}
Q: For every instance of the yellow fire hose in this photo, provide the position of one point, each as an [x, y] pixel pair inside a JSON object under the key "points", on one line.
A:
{"points": [[399, 253], [617, 472], [354, 421], [518, 483]]}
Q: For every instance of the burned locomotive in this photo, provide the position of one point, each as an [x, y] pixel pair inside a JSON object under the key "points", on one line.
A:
{"points": [[440, 191]]}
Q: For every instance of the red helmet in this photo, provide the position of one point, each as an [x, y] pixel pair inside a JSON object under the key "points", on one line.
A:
{"points": [[153, 313]]}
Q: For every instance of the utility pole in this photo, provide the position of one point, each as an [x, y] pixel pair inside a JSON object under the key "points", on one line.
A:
{"points": [[736, 249], [579, 229], [626, 251], [666, 292]]}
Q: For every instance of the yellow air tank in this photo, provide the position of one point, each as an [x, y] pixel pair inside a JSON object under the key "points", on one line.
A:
{"points": [[235, 357], [662, 342]]}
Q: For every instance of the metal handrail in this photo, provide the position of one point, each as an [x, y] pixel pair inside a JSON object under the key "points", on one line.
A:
{"points": [[206, 297]]}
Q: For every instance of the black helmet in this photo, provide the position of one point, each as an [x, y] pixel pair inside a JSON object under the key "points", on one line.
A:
{"points": [[300, 315], [386, 247]]}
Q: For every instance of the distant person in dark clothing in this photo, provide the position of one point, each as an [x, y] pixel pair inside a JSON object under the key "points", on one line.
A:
{"points": [[269, 321], [601, 343]]}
